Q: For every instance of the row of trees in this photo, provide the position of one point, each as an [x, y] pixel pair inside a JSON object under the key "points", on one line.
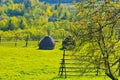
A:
{"points": [[57, 32]]}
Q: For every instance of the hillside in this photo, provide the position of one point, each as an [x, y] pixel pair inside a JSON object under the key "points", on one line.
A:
{"points": [[47, 1], [57, 1], [34, 19]]}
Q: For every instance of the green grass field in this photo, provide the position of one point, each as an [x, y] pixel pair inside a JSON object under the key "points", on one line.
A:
{"points": [[29, 63]]}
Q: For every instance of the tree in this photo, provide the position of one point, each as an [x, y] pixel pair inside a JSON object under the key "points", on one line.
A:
{"points": [[27, 3], [49, 27], [23, 24], [13, 23], [95, 25], [17, 36], [26, 35], [48, 12], [61, 11], [3, 24], [1, 10], [15, 10], [60, 34], [8, 35]]}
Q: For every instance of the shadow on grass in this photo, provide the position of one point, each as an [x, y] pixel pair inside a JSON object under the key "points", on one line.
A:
{"points": [[1, 79], [44, 49], [58, 78]]}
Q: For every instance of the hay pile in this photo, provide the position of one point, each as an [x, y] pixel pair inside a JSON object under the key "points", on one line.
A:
{"points": [[47, 43]]}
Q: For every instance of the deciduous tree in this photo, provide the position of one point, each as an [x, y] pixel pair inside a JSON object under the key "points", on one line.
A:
{"points": [[96, 25]]}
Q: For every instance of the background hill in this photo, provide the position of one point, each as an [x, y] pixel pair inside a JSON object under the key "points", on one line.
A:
{"points": [[57, 1], [47, 1], [34, 18]]}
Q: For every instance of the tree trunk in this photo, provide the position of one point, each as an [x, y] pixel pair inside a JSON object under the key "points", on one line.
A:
{"points": [[0, 39], [105, 54], [16, 42], [26, 43], [108, 70], [27, 38]]}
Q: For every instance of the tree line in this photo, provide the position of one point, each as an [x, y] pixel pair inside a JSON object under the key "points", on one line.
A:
{"points": [[29, 16]]}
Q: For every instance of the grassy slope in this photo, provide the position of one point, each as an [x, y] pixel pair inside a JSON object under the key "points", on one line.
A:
{"points": [[32, 64]]}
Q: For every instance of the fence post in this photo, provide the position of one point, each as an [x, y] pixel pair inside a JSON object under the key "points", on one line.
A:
{"points": [[64, 64], [62, 70]]}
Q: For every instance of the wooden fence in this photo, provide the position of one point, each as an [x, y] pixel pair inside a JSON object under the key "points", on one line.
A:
{"points": [[19, 43], [78, 66]]}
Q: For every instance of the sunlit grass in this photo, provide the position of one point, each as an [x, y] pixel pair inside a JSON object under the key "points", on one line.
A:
{"points": [[29, 63]]}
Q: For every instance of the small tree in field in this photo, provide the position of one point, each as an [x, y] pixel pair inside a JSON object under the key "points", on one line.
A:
{"points": [[17, 36], [26, 35], [96, 23]]}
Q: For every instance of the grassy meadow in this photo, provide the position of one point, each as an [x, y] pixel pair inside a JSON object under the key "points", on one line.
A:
{"points": [[29, 63]]}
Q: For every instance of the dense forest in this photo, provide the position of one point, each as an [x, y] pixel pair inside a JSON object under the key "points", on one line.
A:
{"points": [[34, 19]]}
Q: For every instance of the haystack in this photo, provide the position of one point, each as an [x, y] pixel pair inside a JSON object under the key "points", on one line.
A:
{"points": [[68, 43], [47, 43]]}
